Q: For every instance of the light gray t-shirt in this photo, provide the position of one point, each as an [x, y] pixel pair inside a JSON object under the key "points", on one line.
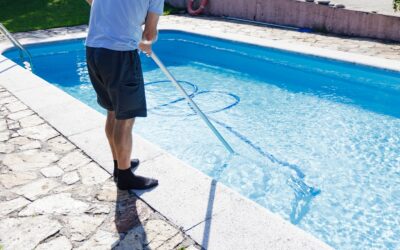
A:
{"points": [[116, 24]]}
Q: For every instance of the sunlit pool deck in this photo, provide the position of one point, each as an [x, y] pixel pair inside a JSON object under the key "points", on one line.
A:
{"points": [[210, 213]]}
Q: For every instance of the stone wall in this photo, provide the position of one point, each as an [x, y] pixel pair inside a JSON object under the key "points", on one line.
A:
{"points": [[307, 15]]}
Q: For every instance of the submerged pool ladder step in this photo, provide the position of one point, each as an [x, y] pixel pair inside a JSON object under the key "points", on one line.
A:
{"points": [[22, 51]]}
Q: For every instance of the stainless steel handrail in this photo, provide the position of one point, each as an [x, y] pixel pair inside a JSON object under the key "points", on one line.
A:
{"points": [[17, 44]]}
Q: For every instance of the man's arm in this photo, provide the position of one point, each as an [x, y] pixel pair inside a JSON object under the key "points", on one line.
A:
{"points": [[150, 27], [150, 32], [89, 2]]}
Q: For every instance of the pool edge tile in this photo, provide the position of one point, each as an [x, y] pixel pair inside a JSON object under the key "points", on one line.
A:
{"points": [[371, 61], [259, 228]]}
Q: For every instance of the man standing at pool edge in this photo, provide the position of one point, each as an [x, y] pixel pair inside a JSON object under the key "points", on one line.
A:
{"points": [[114, 36]]}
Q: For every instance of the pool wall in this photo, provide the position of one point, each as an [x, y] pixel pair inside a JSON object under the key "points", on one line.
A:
{"points": [[307, 15], [212, 214]]}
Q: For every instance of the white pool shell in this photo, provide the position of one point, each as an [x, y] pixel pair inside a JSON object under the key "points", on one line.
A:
{"points": [[212, 214]]}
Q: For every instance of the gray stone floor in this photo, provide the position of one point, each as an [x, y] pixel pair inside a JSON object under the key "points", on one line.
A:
{"points": [[53, 196]]}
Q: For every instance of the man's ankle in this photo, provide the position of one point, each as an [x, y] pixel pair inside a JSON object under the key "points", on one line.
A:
{"points": [[133, 164], [124, 168]]}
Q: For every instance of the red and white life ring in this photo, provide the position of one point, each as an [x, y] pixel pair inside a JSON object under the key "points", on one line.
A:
{"points": [[197, 11]]}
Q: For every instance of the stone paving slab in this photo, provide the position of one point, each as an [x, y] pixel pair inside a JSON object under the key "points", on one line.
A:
{"points": [[53, 196]]}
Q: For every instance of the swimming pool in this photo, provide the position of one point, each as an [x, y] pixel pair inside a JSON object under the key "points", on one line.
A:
{"points": [[318, 140]]}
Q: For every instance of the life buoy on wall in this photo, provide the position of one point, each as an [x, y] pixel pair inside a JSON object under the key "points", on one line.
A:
{"points": [[197, 11]]}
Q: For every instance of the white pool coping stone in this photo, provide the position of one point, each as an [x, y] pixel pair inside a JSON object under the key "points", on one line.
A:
{"points": [[212, 214]]}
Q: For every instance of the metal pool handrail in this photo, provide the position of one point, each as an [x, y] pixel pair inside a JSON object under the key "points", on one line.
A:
{"points": [[17, 44], [194, 105]]}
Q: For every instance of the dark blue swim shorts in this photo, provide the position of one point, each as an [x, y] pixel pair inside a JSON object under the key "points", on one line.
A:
{"points": [[117, 78]]}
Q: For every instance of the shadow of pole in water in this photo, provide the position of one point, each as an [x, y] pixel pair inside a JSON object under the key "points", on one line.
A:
{"points": [[303, 192]]}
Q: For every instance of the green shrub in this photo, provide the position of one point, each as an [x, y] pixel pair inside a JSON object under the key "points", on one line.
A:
{"points": [[168, 9], [396, 5], [26, 15]]}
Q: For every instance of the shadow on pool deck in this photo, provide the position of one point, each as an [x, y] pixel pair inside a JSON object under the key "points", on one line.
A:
{"points": [[6, 69], [127, 222], [208, 217]]}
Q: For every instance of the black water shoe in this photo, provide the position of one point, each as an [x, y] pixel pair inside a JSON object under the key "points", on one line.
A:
{"points": [[128, 180], [134, 165]]}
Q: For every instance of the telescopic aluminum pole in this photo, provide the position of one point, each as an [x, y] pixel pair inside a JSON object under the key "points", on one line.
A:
{"points": [[197, 109]]}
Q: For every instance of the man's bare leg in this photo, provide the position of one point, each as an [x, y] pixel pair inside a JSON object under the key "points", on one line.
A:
{"points": [[122, 141], [122, 138], [110, 125], [110, 122]]}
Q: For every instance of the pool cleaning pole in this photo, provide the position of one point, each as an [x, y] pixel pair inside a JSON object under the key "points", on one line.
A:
{"points": [[198, 111]]}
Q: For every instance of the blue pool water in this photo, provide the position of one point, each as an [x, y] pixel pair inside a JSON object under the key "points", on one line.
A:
{"points": [[318, 141]]}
